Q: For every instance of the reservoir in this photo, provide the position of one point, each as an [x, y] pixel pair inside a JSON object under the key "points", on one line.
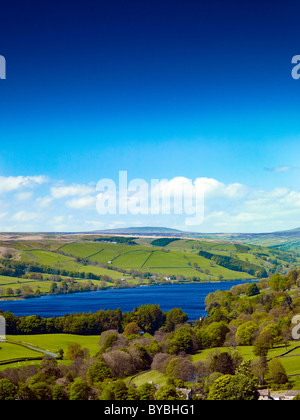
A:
{"points": [[189, 297]]}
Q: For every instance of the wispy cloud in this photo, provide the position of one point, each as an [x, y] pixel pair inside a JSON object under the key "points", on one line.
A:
{"points": [[11, 183], [279, 169], [62, 191], [229, 207]]}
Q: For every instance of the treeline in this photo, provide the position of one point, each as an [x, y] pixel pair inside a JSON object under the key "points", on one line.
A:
{"points": [[15, 269], [117, 240], [148, 338], [149, 318], [163, 241], [235, 264], [269, 309]]}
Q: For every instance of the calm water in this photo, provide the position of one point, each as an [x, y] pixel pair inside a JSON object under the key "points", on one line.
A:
{"points": [[189, 297]]}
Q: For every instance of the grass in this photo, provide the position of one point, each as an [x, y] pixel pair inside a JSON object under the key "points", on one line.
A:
{"points": [[247, 352], [67, 263], [178, 258], [54, 342], [12, 351], [154, 376]]}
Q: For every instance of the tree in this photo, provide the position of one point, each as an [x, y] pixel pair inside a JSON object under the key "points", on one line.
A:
{"points": [[180, 341], [98, 372], [277, 372], [8, 390], [252, 290], [131, 328], [260, 368], [263, 344], [167, 392], [220, 388], [181, 368], [115, 391], [79, 390], [175, 317], [244, 333], [217, 333], [74, 350], [41, 390], [150, 318], [109, 341], [147, 391], [222, 362], [240, 386], [58, 393]]}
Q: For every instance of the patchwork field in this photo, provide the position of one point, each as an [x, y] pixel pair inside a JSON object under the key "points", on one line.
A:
{"points": [[115, 262]]}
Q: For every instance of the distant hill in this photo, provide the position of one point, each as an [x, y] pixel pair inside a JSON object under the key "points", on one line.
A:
{"points": [[286, 239], [148, 230]]}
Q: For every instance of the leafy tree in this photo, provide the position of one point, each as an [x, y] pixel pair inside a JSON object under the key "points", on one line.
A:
{"points": [[217, 333], [263, 344], [180, 341], [240, 386], [252, 290], [260, 368], [222, 362], [41, 390], [181, 368], [277, 372], [131, 328], [133, 394], [8, 390], [274, 331], [58, 392], [120, 390], [245, 333], [79, 390], [167, 392], [109, 341], [150, 318], [175, 317], [153, 348], [98, 372], [147, 391], [220, 388], [115, 391], [74, 350]]}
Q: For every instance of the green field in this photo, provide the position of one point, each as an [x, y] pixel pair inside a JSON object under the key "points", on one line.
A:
{"points": [[137, 263], [15, 347], [12, 351]]}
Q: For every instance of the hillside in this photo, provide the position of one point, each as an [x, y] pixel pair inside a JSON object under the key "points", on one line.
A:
{"points": [[286, 239], [147, 230], [92, 262]]}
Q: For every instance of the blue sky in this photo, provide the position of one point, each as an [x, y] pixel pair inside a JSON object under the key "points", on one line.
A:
{"points": [[162, 89]]}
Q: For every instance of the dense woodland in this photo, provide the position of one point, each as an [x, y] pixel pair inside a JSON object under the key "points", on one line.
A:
{"points": [[147, 338], [235, 264]]}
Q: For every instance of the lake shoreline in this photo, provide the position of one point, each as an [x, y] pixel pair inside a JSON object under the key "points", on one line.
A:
{"points": [[189, 297], [14, 298]]}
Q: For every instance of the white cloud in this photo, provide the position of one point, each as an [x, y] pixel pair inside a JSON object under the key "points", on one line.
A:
{"points": [[24, 216], [215, 189], [23, 196], [44, 202], [81, 190], [279, 169], [82, 202], [11, 183]]}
